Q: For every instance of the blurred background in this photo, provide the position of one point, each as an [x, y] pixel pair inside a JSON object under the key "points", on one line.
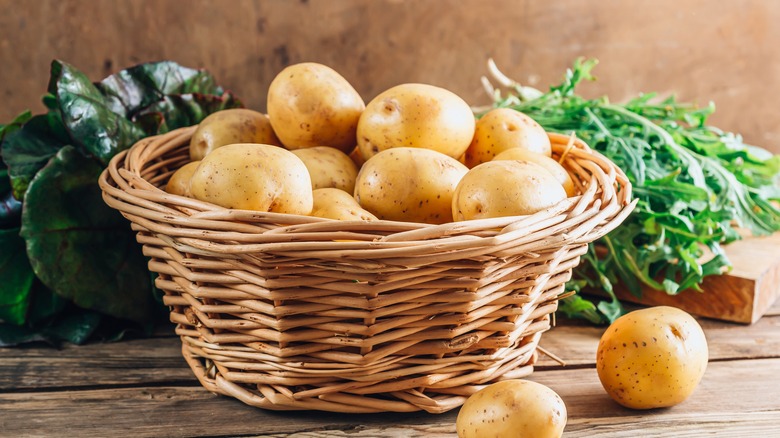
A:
{"points": [[700, 50]]}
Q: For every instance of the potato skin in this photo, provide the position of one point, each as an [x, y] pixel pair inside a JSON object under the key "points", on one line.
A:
{"points": [[552, 166], [652, 358], [310, 104], [329, 167], [419, 116], [333, 203], [238, 125], [505, 188], [409, 184], [179, 182], [254, 177], [505, 128], [512, 409]]}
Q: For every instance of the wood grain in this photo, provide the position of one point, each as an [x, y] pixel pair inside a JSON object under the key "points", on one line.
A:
{"points": [[133, 362], [701, 50], [188, 411]]}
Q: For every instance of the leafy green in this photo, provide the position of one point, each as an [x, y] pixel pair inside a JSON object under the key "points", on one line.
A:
{"points": [[26, 150], [695, 185], [17, 278], [90, 277], [10, 208], [80, 247], [86, 114], [130, 91]]}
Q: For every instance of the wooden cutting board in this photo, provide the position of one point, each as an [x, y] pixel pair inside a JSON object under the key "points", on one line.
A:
{"points": [[743, 295]]}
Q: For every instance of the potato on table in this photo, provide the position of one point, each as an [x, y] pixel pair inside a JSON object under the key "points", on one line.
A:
{"points": [[512, 409], [652, 358]]}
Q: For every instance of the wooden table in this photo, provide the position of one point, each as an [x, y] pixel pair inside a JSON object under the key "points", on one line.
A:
{"points": [[144, 388]]}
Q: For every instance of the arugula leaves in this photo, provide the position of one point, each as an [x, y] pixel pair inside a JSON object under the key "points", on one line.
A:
{"points": [[695, 184], [69, 265]]}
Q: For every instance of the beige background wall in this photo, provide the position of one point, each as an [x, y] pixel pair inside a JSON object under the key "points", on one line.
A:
{"points": [[702, 50]]}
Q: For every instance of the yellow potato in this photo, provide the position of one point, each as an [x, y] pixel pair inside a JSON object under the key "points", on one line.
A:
{"points": [[337, 204], [409, 184], [505, 188], [231, 126], [179, 182], [552, 166], [512, 409], [504, 128], [419, 116], [311, 104], [652, 358], [329, 167], [254, 177]]}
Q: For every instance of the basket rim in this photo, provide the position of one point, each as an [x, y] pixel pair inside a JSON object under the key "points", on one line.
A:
{"points": [[602, 203]]}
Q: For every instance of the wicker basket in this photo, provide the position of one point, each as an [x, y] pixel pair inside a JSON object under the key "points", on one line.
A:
{"points": [[293, 312]]}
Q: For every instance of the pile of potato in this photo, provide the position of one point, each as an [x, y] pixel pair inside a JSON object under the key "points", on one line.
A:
{"points": [[415, 153]]}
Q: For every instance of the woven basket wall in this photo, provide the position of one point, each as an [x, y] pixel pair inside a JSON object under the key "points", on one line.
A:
{"points": [[294, 312]]}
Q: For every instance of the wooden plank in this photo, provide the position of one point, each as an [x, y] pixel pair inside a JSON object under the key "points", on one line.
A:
{"points": [[131, 362], [735, 397], [158, 360], [743, 295]]}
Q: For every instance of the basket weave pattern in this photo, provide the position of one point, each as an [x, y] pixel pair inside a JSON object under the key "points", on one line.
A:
{"points": [[294, 312]]}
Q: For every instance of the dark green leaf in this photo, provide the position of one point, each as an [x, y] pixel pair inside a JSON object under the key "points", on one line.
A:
{"points": [[10, 210], [132, 90], [75, 327], [44, 304], [88, 115], [16, 278], [14, 125], [177, 111], [13, 335], [78, 246], [28, 149]]}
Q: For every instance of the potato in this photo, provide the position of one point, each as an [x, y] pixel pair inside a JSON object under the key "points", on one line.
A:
{"points": [[409, 184], [512, 409], [337, 204], [552, 166], [179, 182], [504, 128], [310, 104], [231, 126], [254, 177], [329, 167], [505, 188], [651, 358], [419, 116]]}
